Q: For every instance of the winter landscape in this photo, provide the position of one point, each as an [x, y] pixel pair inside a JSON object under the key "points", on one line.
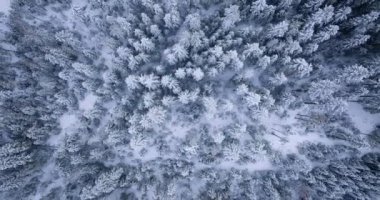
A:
{"points": [[189, 99]]}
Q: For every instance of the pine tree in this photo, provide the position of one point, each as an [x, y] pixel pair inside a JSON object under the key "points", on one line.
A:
{"points": [[67, 37], [277, 30], [261, 10], [105, 183], [186, 96], [252, 50], [172, 19], [322, 90], [150, 81], [252, 99], [299, 67], [154, 116], [171, 83], [85, 69], [232, 16], [198, 74], [354, 74]]}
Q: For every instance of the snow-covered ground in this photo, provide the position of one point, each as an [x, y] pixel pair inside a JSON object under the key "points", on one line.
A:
{"points": [[261, 164], [88, 102], [5, 6], [362, 119], [287, 140], [67, 121]]}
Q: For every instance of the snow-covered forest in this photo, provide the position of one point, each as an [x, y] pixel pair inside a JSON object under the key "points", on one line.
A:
{"points": [[189, 99]]}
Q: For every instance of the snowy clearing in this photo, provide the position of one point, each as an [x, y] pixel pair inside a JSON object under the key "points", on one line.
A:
{"points": [[362, 119], [5, 6], [68, 121], [88, 102]]}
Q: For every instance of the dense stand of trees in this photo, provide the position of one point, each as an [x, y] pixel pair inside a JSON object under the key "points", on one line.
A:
{"points": [[189, 97]]}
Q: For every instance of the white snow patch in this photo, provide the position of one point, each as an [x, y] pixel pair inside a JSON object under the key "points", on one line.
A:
{"points": [[68, 123], [285, 133], [197, 184], [271, 120], [79, 3], [49, 175], [5, 6], [178, 130], [262, 164], [290, 143], [363, 120], [88, 102], [152, 154], [8, 47], [67, 120]]}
